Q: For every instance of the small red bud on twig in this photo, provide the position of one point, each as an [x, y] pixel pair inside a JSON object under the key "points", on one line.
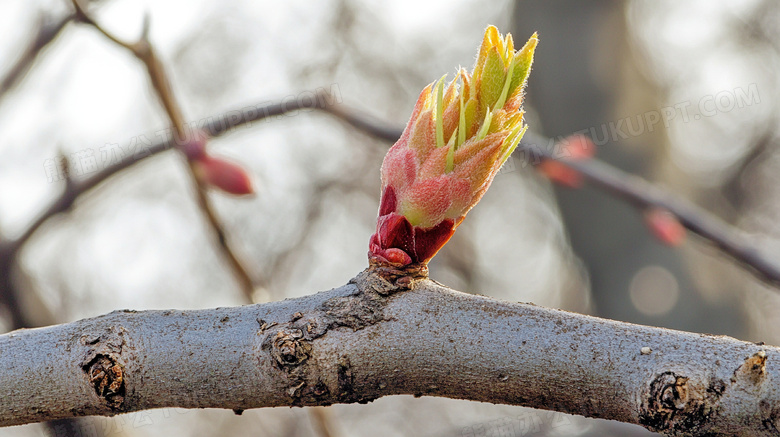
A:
{"points": [[216, 172], [227, 176], [573, 147], [665, 226]]}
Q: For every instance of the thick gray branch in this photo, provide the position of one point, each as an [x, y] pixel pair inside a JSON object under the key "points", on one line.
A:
{"points": [[369, 339]]}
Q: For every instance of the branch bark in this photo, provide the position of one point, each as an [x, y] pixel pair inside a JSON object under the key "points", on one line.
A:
{"points": [[374, 337]]}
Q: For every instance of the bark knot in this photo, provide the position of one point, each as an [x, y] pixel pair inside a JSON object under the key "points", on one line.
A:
{"points": [[293, 343], [107, 377], [675, 404], [289, 348], [753, 368], [103, 366]]}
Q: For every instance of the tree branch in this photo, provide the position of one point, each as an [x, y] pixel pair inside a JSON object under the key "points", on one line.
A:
{"points": [[370, 339], [642, 194], [220, 125], [629, 187], [633, 189], [144, 51], [48, 30]]}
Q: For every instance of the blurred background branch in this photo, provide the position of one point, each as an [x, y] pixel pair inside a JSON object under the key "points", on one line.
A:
{"points": [[533, 147], [48, 29], [145, 52], [643, 195]]}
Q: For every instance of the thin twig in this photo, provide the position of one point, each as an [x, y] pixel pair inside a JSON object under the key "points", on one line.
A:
{"points": [[144, 51], [633, 189], [48, 30], [642, 195], [221, 125]]}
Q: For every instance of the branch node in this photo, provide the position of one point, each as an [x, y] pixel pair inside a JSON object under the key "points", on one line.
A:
{"points": [[757, 363], [289, 348], [753, 368], [104, 368], [387, 278], [675, 404]]}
